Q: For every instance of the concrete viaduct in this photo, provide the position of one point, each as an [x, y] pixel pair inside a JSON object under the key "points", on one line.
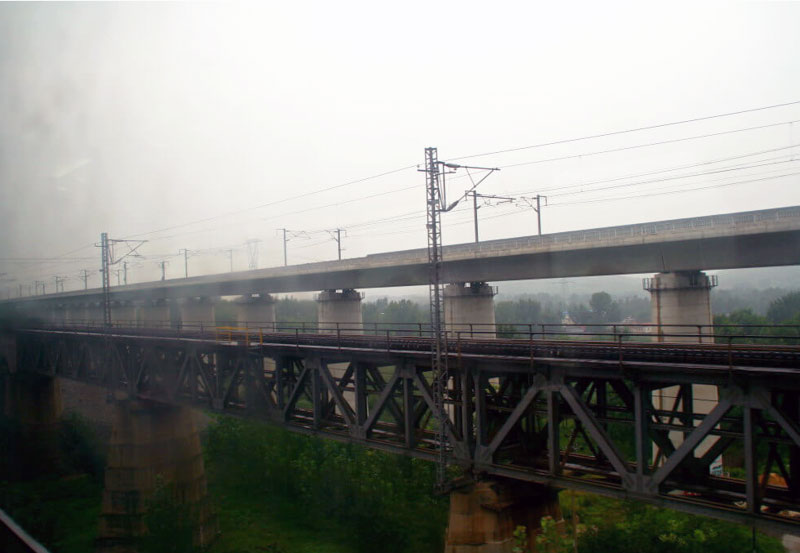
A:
{"points": [[677, 251]]}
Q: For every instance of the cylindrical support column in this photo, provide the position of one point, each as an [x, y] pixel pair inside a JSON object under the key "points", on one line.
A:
{"points": [[58, 314], [94, 313], [76, 313], [197, 313], [680, 303], [123, 313], [681, 307], [154, 313], [340, 311], [483, 515], [152, 445], [469, 309], [256, 310]]}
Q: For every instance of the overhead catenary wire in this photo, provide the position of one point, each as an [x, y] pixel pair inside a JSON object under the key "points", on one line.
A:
{"points": [[63, 259], [626, 131], [646, 145], [644, 195], [273, 203], [659, 171]]}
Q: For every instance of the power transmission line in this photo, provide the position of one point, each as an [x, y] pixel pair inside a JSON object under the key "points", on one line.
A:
{"points": [[664, 170], [276, 202], [646, 145], [677, 177], [625, 131]]}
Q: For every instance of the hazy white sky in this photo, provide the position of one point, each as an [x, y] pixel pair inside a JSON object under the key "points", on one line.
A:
{"points": [[210, 120]]}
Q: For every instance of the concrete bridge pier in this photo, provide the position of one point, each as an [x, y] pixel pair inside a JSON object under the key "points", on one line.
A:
{"points": [[34, 401], [196, 312], [58, 314], [483, 515], [123, 313], [154, 313], [683, 298], [76, 312], [94, 313], [153, 447], [256, 309], [469, 309], [342, 307]]}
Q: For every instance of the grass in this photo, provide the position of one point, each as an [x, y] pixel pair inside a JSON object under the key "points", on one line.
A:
{"points": [[252, 524], [61, 513]]}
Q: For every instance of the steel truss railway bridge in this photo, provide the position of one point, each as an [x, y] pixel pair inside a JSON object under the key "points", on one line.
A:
{"points": [[555, 410]]}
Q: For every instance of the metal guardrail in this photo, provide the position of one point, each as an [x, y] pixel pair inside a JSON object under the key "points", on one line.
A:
{"points": [[13, 539], [254, 332]]}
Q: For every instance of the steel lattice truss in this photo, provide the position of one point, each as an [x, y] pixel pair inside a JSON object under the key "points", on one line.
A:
{"points": [[568, 414]]}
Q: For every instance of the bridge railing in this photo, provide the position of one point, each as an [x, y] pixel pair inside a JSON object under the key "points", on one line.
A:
{"points": [[254, 332]]}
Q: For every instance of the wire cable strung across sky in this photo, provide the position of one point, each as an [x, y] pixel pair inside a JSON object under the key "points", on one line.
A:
{"points": [[413, 166], [625, 131], [580, 188]]}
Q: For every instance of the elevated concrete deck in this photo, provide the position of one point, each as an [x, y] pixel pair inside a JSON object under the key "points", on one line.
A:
{"points": [[765, 238]]}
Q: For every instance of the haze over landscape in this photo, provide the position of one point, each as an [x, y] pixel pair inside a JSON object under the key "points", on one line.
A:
{"points": [[203, 126]]}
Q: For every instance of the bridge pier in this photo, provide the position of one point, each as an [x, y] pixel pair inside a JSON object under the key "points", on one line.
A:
{"points": [[469, 309], [483, 515], [258, 309], [152, 446], [77, 313], [683, 298], [342, 308], [154, 313], [34, 401], [58, 314], [94, 313], [197, 312], [123, 313]]}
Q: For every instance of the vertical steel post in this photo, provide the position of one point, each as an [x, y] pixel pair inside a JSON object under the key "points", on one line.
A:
{"points": [[285, 257], [106, 271], [539, 213], [439, 354], [475, 212]]}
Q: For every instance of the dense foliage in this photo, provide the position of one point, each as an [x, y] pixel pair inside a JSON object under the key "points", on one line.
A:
{"points": [[632, 527], [376, 497], [745, 326]]}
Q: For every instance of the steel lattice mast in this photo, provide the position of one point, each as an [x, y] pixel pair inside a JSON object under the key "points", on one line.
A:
{"points": [[439, 358], [436, 204], [107, 260]]}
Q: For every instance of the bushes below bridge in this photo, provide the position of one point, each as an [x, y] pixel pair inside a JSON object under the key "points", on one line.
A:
{"points": [[378, 501]]}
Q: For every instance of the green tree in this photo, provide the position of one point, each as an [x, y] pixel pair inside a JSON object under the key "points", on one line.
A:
{"points": [[784, 309], [604, 308], [739, 326]]}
